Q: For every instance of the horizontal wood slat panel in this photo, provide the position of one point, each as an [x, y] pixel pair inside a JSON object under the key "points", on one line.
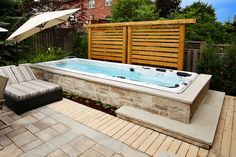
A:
{"points": [[155, 40], [149, 62], [107, 50], [98, 53], [108, 46], [107, 43], [106, 58], [108, 31], [155, 49], [148, 53], [155, 44], [154, 58], [104, 33], [155, 30], [155, 37], [105, 39], [156, 27], [155, 33]]}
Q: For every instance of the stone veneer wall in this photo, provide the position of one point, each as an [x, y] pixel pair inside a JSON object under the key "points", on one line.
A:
{"points": [[117, 96]]}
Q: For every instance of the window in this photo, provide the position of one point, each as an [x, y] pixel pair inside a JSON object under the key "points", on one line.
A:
{"points": [[91, 3], [108, 2]]}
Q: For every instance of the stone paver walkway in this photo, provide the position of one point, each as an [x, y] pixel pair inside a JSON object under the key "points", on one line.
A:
{"points": [[45, 132]]}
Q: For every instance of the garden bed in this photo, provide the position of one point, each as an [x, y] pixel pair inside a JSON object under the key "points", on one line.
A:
{"points": [[95, 104]]}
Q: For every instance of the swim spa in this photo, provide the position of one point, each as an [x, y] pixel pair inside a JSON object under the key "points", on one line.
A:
{"points": [[170, 93], [156, 78]]}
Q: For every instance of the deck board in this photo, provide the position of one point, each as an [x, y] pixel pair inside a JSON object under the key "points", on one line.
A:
{"points": [[156, 144], [192, 152], [142, 138], [112, 126], [123, 131], [146, 144], [202, 153], [152, 142], [183, 150], [174, 146], [164, 146], [132, 130], [135, 136]]}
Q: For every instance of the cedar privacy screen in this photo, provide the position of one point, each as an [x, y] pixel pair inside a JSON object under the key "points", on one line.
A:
{"points": [[155, 43]]}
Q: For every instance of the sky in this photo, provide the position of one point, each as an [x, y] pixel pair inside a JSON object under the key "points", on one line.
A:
{"points": [[225, 9]]}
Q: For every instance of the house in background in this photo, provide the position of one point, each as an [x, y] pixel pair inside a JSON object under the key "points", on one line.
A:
{"points": [[98, 11]]}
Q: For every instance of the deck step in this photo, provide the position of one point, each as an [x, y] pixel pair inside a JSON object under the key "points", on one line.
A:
{"points": [[201, 129]]}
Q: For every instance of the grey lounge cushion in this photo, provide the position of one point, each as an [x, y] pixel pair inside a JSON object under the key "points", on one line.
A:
{"points": [[29, 89], [28, 74], [7, 72], [19, 74], [23, 73]]}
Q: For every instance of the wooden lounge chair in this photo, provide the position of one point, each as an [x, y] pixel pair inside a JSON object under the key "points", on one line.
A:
{"points": [[25, 92]]}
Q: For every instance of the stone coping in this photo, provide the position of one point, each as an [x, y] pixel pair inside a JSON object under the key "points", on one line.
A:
{"points": [[188, 96], [201, 129]]}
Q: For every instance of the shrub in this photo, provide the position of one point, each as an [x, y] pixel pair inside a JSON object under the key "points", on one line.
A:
{"points": [[229, 61], [53, 53], [210, 63], [80, 47]]}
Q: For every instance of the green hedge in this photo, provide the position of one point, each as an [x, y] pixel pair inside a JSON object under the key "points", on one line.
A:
{"points": [[222, 69]]}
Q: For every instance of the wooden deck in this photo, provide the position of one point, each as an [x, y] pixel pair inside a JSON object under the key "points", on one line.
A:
{"points": [[152, 142]]}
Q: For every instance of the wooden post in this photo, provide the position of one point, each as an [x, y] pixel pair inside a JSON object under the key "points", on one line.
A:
{"points": [[124, 49], [181, 47], [129, 44], [89, 43]]}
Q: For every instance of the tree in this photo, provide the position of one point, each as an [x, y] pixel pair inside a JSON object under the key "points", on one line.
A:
{"points": [[133, 10], [166, 7], [207, 28], [10, 13], [203, 12]]}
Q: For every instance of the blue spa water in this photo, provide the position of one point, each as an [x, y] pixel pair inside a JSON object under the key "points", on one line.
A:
{"points": [[165, 79]]}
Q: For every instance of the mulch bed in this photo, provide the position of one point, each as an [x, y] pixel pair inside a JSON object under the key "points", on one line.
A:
{"points": [[93, 104]]}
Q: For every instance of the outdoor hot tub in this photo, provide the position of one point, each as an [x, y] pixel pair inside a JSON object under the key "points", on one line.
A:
{"points": [[170, 93]]}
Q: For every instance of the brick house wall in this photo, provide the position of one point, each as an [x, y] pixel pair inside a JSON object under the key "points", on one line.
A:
{"points": [[99, 12]]}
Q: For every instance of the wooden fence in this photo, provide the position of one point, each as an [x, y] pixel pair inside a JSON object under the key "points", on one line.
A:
{"points": [[60, 37], [155, 43]]}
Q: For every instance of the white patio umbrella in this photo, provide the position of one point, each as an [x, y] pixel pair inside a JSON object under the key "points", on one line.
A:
{"points": [[3, 29], [41, 22]]}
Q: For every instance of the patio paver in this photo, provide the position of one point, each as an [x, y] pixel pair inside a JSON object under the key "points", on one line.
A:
{"points": [[46, 132], [118, 139]]}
